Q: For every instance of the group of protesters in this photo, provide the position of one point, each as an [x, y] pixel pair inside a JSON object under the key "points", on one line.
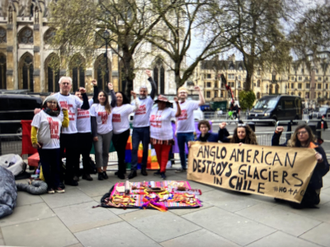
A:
{"points": [[69, 125]]}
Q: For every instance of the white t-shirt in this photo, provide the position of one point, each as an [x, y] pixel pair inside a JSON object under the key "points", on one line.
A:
{"points": [[71, 102], [84, 119], [142, 114], [160, 123], [48, 129], [185, 122], [120, 118], [103, 120]]}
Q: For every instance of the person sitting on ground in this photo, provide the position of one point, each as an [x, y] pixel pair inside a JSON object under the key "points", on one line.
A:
{"points": [[303, 138], [243, 134]]}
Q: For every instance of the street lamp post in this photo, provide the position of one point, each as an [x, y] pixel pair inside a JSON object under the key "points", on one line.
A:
{"points": [[106, 36]]}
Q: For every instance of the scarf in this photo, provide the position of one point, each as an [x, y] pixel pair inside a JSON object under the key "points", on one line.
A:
{"points": [[204, 138], [53, 113]]}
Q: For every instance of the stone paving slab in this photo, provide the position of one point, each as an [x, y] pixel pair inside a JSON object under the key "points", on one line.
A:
{"points": [[319, 235]]}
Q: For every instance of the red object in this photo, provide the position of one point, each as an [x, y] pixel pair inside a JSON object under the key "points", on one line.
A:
{"points": [[322, 125], [33, 160], [26, 138], [228, 88], [162, 152]]}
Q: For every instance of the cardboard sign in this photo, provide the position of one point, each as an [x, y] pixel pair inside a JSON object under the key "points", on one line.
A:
{"points": [[280, 172]]}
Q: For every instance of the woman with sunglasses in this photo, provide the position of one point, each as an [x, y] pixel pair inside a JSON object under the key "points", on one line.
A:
{"points": [[243, 134], [45, 136], [303, 138]]}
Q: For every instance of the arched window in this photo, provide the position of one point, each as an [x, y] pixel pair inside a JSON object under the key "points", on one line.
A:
{"points": [[77, 72], [25, 36], [3, 35], [26, 72], [299, 94], [277, 89], [101, 72], [3, 84], [159, 76], [258, 95], [52, 73], [270, 89], [258, 83], [49, 35]]}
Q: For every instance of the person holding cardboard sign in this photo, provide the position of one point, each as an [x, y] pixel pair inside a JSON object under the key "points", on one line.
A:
{"points": [[243, 134], [303, 137]]}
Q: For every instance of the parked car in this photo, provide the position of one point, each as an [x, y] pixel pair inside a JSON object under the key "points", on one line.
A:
{"points": [[16, 107], [277, 107], [323, 111]]}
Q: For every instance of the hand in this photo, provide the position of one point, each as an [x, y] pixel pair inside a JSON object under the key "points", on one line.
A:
{"points": [[94, 82], [64, 109], [222, 125], [36, 111], [110, 86], [240, 144], [318, 157], [148, 72], [197, 88], [279, 129], [176, 100], [133, 94], [189, 144], [82, 90], [95, 139], [36, 145]]}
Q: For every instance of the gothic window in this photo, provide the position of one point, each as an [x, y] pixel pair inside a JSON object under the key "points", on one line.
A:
{"points": [[26, 72], [3, 35], [258, 83], [159, 77], [52, 73], [270, 89], [102, 74], [77, 72], [258, 95], [25, 36], [277, 89], [49, 35], [3, 84]]}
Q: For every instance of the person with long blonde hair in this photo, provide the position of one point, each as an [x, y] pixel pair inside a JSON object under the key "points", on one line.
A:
{"points": [[303, 138]]}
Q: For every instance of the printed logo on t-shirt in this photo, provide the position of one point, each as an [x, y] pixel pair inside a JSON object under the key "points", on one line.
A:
{"points": [[82, 114], [104, 116], [70, 111], [184, 115], [141, 110], [155, 121], [54, 128], [116, 118]]}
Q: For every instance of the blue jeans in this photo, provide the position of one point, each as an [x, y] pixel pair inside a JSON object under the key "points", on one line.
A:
{"points": [[140, 134], [182, 139]]}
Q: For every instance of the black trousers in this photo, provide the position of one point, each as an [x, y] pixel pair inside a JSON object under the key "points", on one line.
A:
{"points": [[68, 142], [50, 163], [119, 141], [84, 141]]}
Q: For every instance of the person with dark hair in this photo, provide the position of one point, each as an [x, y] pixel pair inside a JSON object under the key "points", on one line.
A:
{"points": [[161, 133], [303, 138], [242, 134], [141, 127], [101, 118], [45, 136], [204, 127], [84, 136], [121, 128]]}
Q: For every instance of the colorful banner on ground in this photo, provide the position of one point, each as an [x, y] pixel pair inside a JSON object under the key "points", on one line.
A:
{"points": [[279, 172]]}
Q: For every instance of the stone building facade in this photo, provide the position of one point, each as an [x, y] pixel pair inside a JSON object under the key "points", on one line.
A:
{"points": [[26, 56]]}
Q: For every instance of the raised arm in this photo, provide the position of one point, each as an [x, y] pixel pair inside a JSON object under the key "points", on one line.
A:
{"points": [[277, 135], [137, 104], [113, 95], [201, 96], [85, 105], [223, 133], [178, 108], [96, 92], [152, 83]]}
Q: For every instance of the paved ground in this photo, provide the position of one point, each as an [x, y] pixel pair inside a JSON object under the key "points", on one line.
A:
{"points": [[226, 219]]}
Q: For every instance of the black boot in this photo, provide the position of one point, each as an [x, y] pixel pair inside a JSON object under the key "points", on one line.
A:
{"points": [[132, 174], [100, 176], [144, 171]]}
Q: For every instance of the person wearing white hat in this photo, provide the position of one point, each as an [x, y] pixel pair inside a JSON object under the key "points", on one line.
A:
{"points": [[141, 127], [45, 136]]}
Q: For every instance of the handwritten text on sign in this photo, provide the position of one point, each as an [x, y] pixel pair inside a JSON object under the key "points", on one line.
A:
{"points": [[280, 172]]}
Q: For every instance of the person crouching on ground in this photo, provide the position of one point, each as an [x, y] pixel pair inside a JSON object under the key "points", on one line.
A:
{"points": [[303, 138], [161, 133], [45, 136], [243, 134]]}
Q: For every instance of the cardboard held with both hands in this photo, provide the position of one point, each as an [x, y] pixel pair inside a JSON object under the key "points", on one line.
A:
{"points": [[280, 172]]}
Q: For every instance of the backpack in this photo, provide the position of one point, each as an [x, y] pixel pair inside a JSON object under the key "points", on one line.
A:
{"points": [[13, 163]]}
